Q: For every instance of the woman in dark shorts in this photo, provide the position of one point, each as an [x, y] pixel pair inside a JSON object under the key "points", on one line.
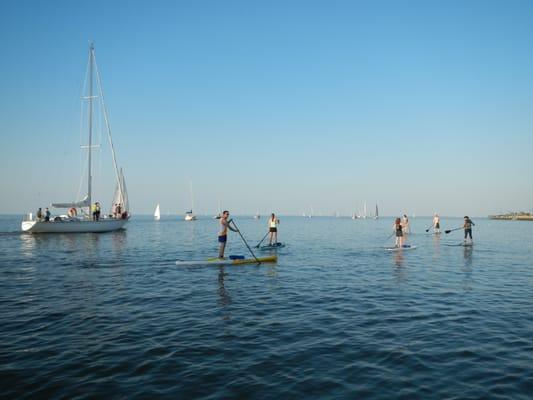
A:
{"points": [[398, 232], [273, 223]]}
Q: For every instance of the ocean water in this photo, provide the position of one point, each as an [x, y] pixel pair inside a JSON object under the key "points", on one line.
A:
{"points": [[111, 316]]}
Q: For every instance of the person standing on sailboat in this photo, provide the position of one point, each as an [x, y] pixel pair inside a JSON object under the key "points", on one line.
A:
{"points": [[273, 223], [223, 234], [96, 211]]}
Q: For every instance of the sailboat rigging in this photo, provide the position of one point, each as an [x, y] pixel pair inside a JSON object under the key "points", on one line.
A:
{"points": [[88, 219]]}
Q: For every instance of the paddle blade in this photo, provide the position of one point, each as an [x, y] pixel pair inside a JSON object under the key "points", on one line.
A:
{"points": [[447, 231]]}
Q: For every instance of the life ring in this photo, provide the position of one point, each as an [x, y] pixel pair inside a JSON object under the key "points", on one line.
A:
{"points": [[72, 212]]}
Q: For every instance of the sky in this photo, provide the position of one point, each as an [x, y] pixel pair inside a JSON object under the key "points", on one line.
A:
{"points": [[418, 106]]}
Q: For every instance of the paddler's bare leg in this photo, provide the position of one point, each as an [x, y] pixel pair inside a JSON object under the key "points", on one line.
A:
{"points": [[221, 250]]}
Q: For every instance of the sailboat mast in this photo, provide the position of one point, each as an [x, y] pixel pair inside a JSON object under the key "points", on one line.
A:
{"points": [[192, 197], [89, 178]]}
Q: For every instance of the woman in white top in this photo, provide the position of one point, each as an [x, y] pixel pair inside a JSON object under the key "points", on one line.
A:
{"points": [[273, 223], [405, 224], [436, 224]]}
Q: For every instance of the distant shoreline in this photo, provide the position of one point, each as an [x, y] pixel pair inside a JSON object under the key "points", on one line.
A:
{"points": [[513, 217]]}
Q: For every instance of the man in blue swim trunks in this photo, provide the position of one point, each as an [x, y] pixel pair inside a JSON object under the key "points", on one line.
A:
{"points": [[223, 234]]}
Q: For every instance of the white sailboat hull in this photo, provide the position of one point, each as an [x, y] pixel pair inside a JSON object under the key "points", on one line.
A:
{"points": [[74, 226]]}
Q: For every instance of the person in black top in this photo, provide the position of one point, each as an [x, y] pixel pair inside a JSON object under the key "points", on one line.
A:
{"points": [[468, 227]]}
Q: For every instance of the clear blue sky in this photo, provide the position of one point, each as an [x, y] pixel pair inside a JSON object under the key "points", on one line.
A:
{"points": [[420, 106]]}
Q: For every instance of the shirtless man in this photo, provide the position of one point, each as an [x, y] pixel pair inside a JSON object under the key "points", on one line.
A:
{"points": [[223, 234]]}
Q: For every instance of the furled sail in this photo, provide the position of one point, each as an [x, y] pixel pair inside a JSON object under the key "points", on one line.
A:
{"points": [[78, 204]]}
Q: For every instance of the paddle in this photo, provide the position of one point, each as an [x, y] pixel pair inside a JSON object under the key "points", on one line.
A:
{"points": [[245, 242], [264, 237], [451, 230], [431, 226]]}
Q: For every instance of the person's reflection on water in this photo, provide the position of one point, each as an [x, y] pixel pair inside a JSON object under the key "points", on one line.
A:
{"points": [[467, 255], [224, 297], [467, 268], [436, 246], [118, 241], [398, 258], [399, 269]]}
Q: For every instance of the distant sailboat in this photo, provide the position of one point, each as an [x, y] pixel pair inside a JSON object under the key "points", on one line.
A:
{"points": [[364, 210], [189, 216], [257, 215], [377, 212], [157, 213]]}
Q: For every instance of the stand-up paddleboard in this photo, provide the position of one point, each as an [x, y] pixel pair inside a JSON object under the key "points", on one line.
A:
{"points": [[231, 260], [274, 246], [459, 244], [404, 247]]}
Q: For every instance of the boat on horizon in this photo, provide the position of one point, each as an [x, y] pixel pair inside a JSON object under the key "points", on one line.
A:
{"points": [[157, 213], [189, 215], [83, 215]]}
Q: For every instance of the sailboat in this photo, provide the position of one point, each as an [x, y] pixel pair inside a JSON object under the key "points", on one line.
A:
{"points": [[364, 210], [189, 216], [376, 216], [257, 215], [80, 218], [157, 213]]}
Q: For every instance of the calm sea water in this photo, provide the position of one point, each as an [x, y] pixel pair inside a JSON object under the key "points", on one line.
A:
{"points": [[111, 315]]}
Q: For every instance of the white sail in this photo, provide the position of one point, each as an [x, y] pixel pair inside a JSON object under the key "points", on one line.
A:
{"points": [[189, 215], [120, 197], [157, 213]]}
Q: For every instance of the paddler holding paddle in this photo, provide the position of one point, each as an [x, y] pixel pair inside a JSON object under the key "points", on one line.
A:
{"points": [[223, 234], [398, 231], [436, 224], [273, 223], [467, 226]]}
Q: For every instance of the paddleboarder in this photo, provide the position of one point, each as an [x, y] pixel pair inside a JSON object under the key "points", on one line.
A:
{"points": [[223, 234], [468, 228], [405, 224], [436, 223], [397, 227], [273, 223]]}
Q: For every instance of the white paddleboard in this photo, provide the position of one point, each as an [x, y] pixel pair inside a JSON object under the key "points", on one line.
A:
{"points": [[404, 247]]}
